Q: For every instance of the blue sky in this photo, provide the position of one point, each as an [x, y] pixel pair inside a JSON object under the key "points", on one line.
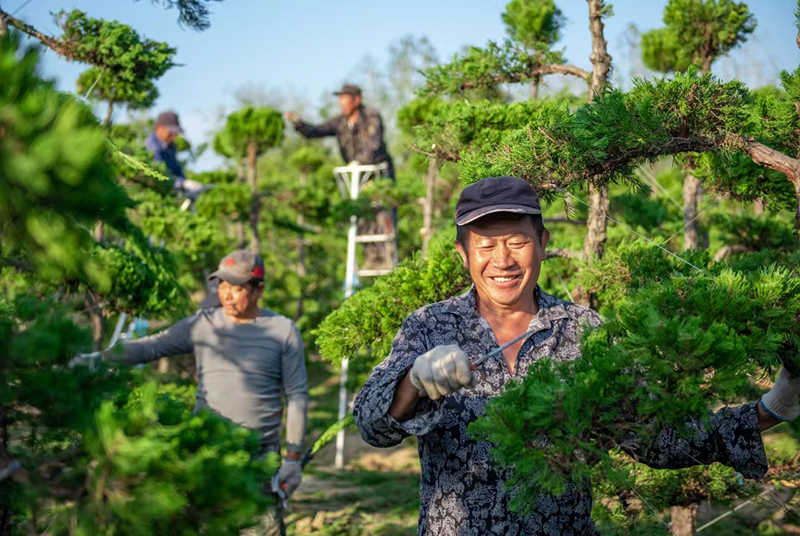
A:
{"points": [[306, 48]]}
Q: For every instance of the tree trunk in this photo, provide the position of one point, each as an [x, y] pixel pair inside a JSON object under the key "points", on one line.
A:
{"points": [[109, 113], [596, 223], [99, 231], [692, 192], [535, 87], [3, 33], [760, 206], [241, 237], [255, 208], [301, 241], [97, 321], [683, 520], [427, 209], [601, 61]]}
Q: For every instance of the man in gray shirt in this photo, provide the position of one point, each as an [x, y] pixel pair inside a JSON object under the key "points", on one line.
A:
{"points": [[246, 356]]}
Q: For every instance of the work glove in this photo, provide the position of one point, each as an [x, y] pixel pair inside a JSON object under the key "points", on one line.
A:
{"points": [[90, 360], [783, 400], [289, 476], [441, 371]]}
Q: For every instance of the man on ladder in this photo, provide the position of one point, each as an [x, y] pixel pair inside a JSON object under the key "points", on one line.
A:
{"points": [[359, 132]]}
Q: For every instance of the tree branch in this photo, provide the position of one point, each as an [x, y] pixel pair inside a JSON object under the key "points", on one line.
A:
{"points": [[725, 251], [538, 70], [59, 47], [563, 253]]}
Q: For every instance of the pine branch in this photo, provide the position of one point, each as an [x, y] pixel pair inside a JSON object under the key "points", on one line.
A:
{"points": [[726, 251], [539, 70], [58, 46], [563, 253]]}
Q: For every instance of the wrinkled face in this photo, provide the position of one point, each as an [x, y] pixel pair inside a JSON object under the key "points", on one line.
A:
{"points": [[504, 259], [239, 301], [165, 134], [348, 103]]}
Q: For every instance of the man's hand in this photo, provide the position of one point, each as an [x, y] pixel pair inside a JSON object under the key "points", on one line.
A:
{"points": [[783, 400], [289, 476], [441, 371], [292, 117]]}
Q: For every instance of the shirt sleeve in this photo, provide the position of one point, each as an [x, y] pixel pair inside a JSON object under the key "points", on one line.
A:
{"points": [[295, 387], [731, 436], [328, 128], [175, 340], [371, 407]]}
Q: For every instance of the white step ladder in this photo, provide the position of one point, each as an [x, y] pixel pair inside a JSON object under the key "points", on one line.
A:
{"points": [[351, 180]]}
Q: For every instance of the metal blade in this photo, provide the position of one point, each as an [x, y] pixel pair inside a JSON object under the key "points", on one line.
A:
{"points": [[477, 361]]}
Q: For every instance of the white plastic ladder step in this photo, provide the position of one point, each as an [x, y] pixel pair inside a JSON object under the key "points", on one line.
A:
{"points": [[374, 273], [375, 238]]}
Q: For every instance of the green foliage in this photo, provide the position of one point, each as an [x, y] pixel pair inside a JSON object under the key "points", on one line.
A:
{"points": [[674, 346], [260, 126], [125, 66], [447, 129], [753, 233], [604, 139], [533, 22], [487, 68], [191, 13], [696, 32], [371, 318], [202, 475], [55, 173]]}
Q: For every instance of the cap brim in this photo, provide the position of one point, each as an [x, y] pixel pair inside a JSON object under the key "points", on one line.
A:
{"points": [[230, 277], [470, 217], [175, 129]]}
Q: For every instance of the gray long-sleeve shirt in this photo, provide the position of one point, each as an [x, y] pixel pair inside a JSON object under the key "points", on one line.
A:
{"points": [[242, 368]]}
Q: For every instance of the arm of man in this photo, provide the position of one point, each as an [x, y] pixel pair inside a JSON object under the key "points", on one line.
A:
{"points": [[307, 130], [388, 408], [731, 436], [175, 340], [295, 387]]}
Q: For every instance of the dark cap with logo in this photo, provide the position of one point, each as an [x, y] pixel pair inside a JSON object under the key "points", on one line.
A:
{"points": [[348, 89], [170, 121], [496, 194], [239, 267]]}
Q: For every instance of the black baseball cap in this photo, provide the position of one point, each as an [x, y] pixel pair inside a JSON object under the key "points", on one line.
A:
{"points": [[348, 89], [170, 121], [239, 267], [496, 194]]}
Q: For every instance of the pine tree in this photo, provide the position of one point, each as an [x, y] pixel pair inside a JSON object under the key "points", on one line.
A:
{"points": [[696, 32], [82, 450], [248, 133], [536, 24]]}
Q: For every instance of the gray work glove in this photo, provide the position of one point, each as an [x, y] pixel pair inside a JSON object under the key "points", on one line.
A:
{"points": [[441, 371], [90, 360], [783, 400], [289, 476]]}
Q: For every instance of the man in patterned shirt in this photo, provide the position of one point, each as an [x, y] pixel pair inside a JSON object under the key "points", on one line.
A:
{"points": [[502, 240]]}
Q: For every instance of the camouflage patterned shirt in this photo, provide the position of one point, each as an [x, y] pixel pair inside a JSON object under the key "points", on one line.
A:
{"points": [[461, 491], [361, 141]]}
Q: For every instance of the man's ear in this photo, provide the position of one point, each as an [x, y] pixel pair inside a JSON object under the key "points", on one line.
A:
{"points": [[463, 253], [545, 239]]}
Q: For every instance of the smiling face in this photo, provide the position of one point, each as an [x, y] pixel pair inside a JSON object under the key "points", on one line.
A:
{"points": [[504, 255], [240, 301]]}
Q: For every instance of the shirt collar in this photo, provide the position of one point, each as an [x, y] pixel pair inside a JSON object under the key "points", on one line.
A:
{"points": [[550, 307]]}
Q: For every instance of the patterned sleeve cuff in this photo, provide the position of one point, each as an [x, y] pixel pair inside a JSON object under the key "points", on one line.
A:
{"points": [[739, 431], [371, 411]]}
